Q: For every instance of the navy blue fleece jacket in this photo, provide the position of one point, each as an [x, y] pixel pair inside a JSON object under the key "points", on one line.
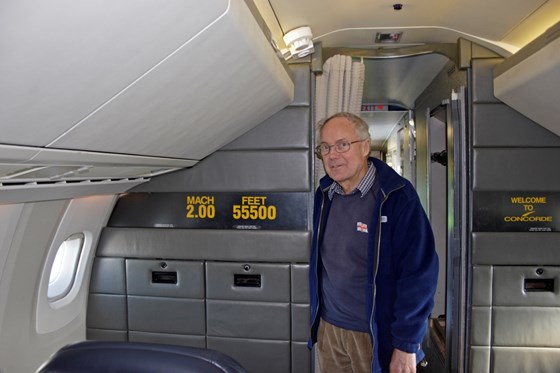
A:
{"points": [[403, 266]]}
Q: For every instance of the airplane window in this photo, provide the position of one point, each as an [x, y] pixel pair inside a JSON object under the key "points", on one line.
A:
{"points": [[65, 265]]}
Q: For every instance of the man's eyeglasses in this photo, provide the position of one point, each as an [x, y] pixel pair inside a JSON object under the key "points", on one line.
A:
{"points": [[340, 146]]}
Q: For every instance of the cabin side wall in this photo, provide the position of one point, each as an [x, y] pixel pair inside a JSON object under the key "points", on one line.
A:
{"points": [[515, 203], [235, 287]]}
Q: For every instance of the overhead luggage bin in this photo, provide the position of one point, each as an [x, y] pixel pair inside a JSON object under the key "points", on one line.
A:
{"points": [[528, 80], [177, 79]]}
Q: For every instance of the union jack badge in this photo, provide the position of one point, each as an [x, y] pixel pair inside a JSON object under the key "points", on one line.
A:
{"points": [[361, 227]]}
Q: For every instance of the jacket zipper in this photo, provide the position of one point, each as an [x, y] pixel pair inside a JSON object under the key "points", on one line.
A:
{"points": [[376, 266], [320, 228]]}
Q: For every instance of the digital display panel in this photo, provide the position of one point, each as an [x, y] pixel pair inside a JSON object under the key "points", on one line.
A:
{"points": [[244, 211]]}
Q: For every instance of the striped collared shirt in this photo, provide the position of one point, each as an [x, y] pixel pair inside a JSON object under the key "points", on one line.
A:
{"points": [[363, 187]]}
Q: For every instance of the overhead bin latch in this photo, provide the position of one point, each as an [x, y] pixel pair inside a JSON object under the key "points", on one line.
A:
{"points": [[539, 285], [159, 277], [244, 280]]}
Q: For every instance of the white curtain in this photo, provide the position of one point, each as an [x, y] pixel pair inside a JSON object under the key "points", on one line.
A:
{"points": [[339, 88]]}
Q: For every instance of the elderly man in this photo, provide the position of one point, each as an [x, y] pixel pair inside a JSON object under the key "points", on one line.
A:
{"points": [[373, 266]]}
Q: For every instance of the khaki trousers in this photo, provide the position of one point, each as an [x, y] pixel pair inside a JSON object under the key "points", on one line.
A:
{"points": [[340, 350]]}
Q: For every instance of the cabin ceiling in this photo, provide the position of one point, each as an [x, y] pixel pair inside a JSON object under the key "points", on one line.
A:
{"points": [[503, 26]]}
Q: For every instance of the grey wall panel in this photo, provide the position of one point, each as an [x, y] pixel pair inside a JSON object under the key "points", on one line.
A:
{"points": [[496, 125], [254, 326], [520, 169], [166, 315], [483, 79], [534, 326], [263, 320], [167, 338], [106, 335], [300, 283], [300, 322], [274, 281], [108, 276], [480, 321], [301, 73], [190, 278], [287, 129], [256, 356], [301, 358], [254, 171], [524, 360], [480, 359], [509, 284], [482, 286], [106, 312], [510, 328], [206, 244], [524, 248]]}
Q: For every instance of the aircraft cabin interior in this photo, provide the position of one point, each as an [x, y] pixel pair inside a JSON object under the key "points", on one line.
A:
{"points": [[157, 174]]}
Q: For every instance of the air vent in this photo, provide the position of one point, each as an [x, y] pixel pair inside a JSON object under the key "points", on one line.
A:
{"points": [[388, 37]]}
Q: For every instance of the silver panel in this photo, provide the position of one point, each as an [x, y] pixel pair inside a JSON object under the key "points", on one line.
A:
{"points": [[528, 80], [275, 281], [302, 79], [300, 283], [9, 171], [254, 171], [480, 321], [482, 286], [508, 287], [525, 360], [526, 326], [483, 80], [510, 248], [63, 191], [301, 358], [205, 244], [300, 322], [106, 312], [108, 276], [166, 315], [287, 129], [262, 320], [190, 278], [479, 359], [257, 356], [491, 123], [167, 338], [519, 169], [106, 335]]}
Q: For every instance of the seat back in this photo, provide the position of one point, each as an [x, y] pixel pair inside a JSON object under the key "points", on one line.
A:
{"points": [[101, 356]]}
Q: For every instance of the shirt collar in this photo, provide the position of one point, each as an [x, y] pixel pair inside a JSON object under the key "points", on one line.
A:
{"points": [[364, 186]]}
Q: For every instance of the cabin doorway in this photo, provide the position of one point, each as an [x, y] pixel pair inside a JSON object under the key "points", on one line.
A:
{"points": [[446, 202]]}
